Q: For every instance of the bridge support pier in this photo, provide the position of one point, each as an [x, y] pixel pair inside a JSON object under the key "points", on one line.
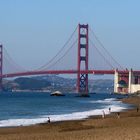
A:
{"points": [[128, 82], [1, 65], [82, 64], [116, 80]]}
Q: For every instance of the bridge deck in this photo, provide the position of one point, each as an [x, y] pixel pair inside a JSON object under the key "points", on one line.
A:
{"points": [[100, 72]]}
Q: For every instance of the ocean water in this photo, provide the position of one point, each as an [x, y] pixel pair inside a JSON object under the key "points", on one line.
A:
{"points": [[24, 109]]}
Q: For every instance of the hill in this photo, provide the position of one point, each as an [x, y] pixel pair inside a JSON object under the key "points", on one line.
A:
{"points": [[54, 82]]}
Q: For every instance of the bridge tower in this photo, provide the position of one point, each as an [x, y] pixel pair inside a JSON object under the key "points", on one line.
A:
{"points": [[1, 65], [82, 78]]}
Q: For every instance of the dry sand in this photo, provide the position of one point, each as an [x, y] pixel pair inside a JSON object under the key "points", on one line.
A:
{"points": [[127, 127]]}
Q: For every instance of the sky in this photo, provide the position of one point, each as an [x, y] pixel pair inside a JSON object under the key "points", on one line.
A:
{"points": [[33, 31]]}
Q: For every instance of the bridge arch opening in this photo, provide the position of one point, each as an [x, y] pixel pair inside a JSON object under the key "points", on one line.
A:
{"points": [[123, 83]]}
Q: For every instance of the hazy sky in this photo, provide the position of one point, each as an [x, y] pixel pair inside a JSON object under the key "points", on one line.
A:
{"points": [[33, 31]]}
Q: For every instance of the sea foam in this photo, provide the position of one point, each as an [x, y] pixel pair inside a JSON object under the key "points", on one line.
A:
{"points": [[115, 106]]}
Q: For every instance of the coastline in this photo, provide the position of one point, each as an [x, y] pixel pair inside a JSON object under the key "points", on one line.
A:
{"points": [[111, 127]]}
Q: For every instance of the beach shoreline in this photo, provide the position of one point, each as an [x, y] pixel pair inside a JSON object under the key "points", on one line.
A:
{"points": [[95, 127], [90, 108]]}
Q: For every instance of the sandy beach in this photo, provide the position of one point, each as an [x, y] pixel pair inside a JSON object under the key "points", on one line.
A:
{"points": [[127, 127]]}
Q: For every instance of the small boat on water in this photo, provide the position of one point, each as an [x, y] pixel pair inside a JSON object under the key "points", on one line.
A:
{"points": [[57, 93]]}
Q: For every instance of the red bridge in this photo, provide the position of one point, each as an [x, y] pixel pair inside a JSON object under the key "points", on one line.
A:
{"points": [[82, 54]]}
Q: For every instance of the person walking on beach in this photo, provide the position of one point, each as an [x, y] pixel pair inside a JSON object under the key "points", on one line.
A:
{"points": [[109, 109], [137, 109], [103, 115], [49, 121], [118, 115]]}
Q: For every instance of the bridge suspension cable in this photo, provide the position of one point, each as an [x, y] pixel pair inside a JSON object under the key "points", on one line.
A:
{"points": [[8, 60], [99, 52], [58, 60], [62, 48], [105, 50]]}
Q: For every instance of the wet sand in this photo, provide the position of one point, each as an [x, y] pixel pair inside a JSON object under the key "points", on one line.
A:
{"points": [[127, 127]]}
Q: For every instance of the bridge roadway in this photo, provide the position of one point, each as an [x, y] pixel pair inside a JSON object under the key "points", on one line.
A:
{"points": [[96, 72]]}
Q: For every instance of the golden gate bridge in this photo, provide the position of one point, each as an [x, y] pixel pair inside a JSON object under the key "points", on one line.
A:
{"points": [[82, 54]]}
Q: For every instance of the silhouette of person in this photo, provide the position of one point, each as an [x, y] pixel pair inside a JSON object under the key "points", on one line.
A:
{"points": [[109, 109], [49, 121], [103, 115], [118, 115], [137, 109]]}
